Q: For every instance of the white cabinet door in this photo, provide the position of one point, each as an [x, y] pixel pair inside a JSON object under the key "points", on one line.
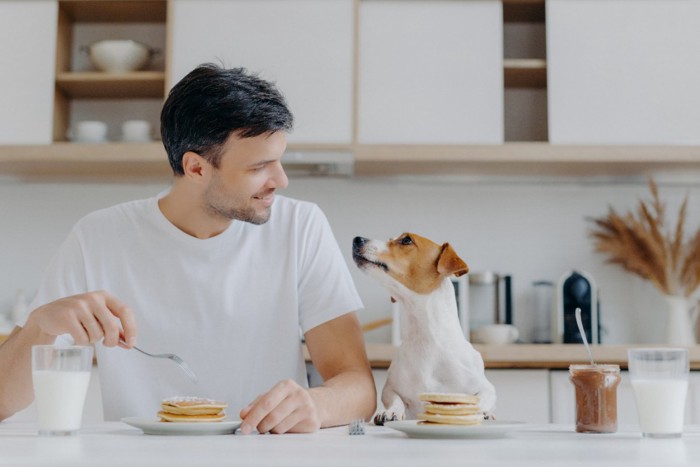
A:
{"points": [[623, 71], [521, 395], [305, 46], [431, 72], [27, 70], [694, 397]]}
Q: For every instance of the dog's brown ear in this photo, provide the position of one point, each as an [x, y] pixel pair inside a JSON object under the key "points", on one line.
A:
{"points": [[449, 263]]}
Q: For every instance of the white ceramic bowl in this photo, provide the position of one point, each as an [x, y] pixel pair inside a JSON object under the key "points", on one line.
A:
{"points": [[119, 56]]}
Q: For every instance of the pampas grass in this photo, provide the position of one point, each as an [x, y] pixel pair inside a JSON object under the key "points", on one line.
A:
{"points": [[643, 244]]}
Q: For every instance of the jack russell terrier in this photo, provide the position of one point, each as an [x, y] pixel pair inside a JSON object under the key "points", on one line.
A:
{"points": [[434, 355]]}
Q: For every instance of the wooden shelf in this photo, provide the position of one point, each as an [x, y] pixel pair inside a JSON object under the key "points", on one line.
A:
{"points": [[523, 11], [97, 84], [523, 159], [107, 11], [525, 73], [147, 161], [68, 161], [543, 356]]}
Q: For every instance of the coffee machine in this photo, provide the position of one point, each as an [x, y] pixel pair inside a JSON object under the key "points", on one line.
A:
{"points": [[576, 289]]}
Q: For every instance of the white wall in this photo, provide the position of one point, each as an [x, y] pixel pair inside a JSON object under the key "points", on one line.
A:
{"points": [[532, 229]]}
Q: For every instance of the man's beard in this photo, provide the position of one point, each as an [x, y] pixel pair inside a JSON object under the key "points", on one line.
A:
{"points": [[214, 206], [236, 214]]}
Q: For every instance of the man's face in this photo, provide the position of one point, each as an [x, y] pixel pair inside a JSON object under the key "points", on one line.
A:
{"points": [[243, 186]]}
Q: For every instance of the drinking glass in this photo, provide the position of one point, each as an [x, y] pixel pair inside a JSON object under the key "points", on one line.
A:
{"points": [[60, 376], [660, 382]]}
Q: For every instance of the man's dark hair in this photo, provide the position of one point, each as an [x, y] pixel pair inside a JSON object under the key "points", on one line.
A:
{"points": [[210, 103]]}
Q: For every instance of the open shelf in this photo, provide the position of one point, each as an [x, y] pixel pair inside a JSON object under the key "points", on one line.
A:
{"points": [[523, 11], [101, 11], [535, 158], [81, 161], [525, 73], [101, 85], [73, 83], [134, 161]]}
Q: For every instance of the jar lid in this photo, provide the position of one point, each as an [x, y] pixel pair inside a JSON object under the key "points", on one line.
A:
{"points": [[602, 368]]}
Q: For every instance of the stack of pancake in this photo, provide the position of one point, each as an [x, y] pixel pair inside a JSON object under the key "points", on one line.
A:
{"points": [[191, 409], [450, 409]]}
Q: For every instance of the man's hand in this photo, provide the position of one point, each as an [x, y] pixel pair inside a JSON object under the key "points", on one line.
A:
{"points": [[88, 317], [287, 407]]}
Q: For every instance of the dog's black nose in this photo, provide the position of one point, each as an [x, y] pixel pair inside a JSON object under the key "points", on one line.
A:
{"points": [[358, 241]]}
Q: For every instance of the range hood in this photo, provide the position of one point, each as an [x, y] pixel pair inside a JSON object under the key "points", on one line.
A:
{"points": [[338, 163]]}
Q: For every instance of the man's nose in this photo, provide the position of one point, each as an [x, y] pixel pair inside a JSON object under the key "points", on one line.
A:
{"points": [[279, 176]]}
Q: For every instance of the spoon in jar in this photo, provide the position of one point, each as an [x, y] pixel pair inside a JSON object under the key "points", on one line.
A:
{"points": [[579, 323]]}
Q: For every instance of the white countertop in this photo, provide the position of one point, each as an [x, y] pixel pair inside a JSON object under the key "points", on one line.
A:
{"points": [[117, 444]]}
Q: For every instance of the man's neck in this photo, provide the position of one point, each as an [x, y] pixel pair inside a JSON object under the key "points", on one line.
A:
{"points": [[183, 208]]}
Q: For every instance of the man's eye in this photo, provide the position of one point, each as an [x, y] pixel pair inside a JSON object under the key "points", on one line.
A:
{"points": [[406, 240]]}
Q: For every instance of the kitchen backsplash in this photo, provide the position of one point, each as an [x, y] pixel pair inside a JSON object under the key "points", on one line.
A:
{"points": [[531, 229]]}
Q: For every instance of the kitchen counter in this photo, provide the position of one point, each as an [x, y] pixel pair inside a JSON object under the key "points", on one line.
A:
{"points": [[535, 355], [117, 444]]}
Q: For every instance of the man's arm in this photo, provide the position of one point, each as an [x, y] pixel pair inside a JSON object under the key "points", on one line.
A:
{"points": [[87, 317], [337, 350]]}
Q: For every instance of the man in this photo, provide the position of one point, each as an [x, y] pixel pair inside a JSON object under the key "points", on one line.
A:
{"points": [[218, 270]]}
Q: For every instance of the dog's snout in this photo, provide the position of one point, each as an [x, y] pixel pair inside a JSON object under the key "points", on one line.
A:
{"points": [[359, 242]]}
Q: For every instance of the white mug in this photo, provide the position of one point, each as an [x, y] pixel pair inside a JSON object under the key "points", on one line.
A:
{"points": [[89, 131], [136, 131], [496, 334]]}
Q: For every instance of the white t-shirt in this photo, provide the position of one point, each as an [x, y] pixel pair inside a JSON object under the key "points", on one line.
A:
{"points": [[231, 306]]}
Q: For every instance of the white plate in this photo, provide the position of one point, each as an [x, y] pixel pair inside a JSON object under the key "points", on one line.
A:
{"points": [[155, 427], [487, 429]]}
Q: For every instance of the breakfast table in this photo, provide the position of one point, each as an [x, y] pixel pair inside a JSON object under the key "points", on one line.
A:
{"points": [[118, 444]]}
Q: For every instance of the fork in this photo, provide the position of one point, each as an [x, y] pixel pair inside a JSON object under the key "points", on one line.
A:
{"points": [[356, 427], [180, 362]]}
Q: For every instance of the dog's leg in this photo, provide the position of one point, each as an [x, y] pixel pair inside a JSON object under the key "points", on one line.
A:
{"points": [[395, 408]]}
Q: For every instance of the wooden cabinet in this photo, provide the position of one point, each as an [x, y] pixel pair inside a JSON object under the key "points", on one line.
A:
{"points": [[81, 93], [623, 72], [430, 72], [27, 35], [305, 46], [406, 86]]}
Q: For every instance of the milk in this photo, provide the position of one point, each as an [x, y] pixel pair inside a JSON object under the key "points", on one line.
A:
{"points": [[660, 405], [60, 396]]}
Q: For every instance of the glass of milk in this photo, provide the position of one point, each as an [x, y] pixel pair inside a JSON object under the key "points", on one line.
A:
{"points": [[60, 376], [660, 382]]}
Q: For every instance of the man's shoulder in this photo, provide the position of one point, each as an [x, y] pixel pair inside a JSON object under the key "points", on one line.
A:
{"points": [[295, 208], [117, 213]]}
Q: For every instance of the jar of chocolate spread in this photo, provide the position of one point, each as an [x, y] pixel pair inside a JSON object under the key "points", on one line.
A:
{"points": [[596, 397]]}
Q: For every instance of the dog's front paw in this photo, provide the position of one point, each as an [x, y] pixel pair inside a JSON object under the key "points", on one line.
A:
{"points": [[383, 417]]}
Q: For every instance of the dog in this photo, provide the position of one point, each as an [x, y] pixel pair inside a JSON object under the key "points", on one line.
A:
{"points": [[434, 355]]}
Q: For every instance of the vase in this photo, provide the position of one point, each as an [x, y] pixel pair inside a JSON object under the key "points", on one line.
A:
{"points": [[680, 329]]}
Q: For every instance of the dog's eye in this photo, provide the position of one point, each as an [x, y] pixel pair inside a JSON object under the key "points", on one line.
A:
{"points": [[407, 240]]}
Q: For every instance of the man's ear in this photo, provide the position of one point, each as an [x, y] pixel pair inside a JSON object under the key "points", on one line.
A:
{"points": [[194, 165], [449, 263]]}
